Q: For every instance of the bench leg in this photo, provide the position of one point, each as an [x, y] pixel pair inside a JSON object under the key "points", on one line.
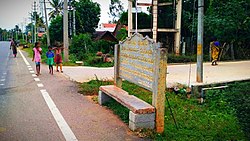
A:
{"points": [[137, 121], [102, 98]]}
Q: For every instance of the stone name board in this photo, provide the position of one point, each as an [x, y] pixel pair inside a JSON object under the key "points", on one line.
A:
{"points": [[137, 61]]}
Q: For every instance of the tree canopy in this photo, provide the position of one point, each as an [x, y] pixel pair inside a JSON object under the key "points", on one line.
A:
{"points": [[57, 6], [56, 29], [87, 15], [115, 9]]}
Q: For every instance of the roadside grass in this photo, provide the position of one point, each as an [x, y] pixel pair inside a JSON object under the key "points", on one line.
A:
{"points": [[216, 119], [234, 100]]}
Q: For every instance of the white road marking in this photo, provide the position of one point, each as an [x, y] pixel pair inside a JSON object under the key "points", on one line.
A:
{"points": [[2, 79], [34, 75], [30, 69], [62, 124], [24, 59], [40, 85], [4, 73], [1, 84], [36, 79], [29, 66], [32, 72]]}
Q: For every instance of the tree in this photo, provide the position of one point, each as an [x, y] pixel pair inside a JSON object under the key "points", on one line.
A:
{"points": [[57, 6], [144, 20], [87, 16], [115, 9], [56, 29]]}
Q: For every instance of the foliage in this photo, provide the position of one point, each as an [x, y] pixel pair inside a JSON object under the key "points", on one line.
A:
{"points": [[214, 120], [144, 20], [115, 9], [84, 49], [230, 22], [22, 42], [184, 58], [81, 46], [92, 87], [236, 100], [229, 25], [57, 6], [56, 29], [104, 46], [117, 108], [122, 34], [87, 15], [96, 61]]}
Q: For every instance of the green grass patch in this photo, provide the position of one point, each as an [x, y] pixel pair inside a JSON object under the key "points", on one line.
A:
{"points": [[224, 116], [119, 110], [92, 87], [235, 101]]}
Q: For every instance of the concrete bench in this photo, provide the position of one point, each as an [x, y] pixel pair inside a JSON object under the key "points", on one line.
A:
{"points": [[79, 63], [141, 115]]}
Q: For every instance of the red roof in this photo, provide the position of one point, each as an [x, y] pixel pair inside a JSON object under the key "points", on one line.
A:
{"points": [[107, 25]]}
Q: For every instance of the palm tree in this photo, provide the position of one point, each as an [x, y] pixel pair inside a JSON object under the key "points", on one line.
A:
{"points": [[57, 8]]}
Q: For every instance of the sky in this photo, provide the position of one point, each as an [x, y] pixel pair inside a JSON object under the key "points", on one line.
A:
{"points": [[16, 12]]}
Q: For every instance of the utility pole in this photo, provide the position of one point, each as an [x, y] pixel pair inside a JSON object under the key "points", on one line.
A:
{"points": [[74, 21], [155, 19], [136, 17], [199, 74], [65, 31], [130, 18], [177, 35], [46, 26], [22, 30], [34, 14]]}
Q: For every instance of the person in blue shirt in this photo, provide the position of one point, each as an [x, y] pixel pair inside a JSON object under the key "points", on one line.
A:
{"points": [[50, 59]]}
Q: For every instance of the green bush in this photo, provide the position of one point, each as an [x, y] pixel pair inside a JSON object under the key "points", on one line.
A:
{"points": [[104, 46], [184, 58], [22, 42], [236, 101], [81, 45]]}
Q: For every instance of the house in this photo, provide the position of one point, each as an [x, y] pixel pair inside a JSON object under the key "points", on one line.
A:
{"points": [[106, 27], [108, 31], [104, 35]]}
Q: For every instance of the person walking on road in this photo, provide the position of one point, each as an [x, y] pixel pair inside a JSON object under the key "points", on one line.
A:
{"points": [[58, 58], [13, 46], [215, 50], [37, 52], [50, 59]]}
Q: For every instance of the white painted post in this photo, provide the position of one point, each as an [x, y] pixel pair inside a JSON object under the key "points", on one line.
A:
{"points": [[65, 31], [178, 27]]}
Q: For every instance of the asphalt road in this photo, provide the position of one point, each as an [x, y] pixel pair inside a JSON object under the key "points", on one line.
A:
{"points": [[48, 108]]}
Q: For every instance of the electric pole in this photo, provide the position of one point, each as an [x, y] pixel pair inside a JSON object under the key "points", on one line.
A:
{"points": [[74, 22], [65, 31], [199, 74], [46, 26], [34, 16]]}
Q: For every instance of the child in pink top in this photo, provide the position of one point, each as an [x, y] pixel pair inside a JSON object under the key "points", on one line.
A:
{"points": [[37, 52]]}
